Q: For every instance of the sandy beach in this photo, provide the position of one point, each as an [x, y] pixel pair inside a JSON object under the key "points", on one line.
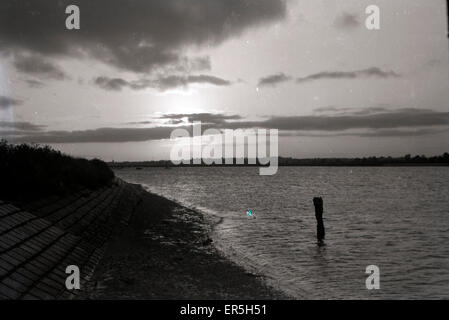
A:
{"points": [[167, 253]]}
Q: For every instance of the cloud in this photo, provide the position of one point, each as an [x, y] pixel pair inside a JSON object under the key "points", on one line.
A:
{"points": [[188, 118], [174, 81], [347, 21], [36, 65], [174, 121], [399, 118], [274, 79], [97, 135], [402, 133], [113, 84], [140, 36], [6, 102], [193, 64], [392, 123], [356, 111], [21, 125], [11, 134], [331, 109], [161, 83], [207, 118], [382, 133], [373, 72], [140, 122], [34, 83], [208, 79]]}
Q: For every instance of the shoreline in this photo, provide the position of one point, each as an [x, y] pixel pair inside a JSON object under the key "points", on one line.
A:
{"points": [[166, 252]]}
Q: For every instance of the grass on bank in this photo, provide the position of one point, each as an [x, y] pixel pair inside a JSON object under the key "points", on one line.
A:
{"points": [[29, 172]]}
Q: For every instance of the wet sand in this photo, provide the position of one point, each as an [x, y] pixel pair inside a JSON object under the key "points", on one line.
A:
{"points": [[166, 253]]}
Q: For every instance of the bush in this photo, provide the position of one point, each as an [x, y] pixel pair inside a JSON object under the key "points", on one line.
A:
{"points": [[30, 172]]}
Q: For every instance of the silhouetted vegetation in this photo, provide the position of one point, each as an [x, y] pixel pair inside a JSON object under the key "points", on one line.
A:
{"points": [[30, 172], [407, 160]]}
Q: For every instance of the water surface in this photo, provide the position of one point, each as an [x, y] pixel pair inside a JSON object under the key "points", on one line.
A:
{"points": [[394, 217]]}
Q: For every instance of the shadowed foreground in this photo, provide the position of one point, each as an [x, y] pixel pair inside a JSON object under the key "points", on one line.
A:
{"points": [[128, 244], [166, 253], [38, 240]]}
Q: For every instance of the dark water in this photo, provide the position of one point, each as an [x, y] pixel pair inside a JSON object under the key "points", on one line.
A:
{"points": [[395, 218]]}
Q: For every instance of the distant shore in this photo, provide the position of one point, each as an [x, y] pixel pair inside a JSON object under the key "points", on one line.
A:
{"points": [[407, 160], [166, 253]]}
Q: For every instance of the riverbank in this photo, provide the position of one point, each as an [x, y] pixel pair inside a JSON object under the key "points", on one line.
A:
{"points": [[166, 253], [39, 240]]}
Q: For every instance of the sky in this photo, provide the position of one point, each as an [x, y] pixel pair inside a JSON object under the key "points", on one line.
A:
{"points": [[135, 70]]}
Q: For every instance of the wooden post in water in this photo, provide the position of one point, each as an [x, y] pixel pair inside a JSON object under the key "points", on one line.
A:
{"points": [[320, 233]]}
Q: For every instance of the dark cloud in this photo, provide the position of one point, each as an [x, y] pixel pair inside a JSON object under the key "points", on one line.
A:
{"points": [[113, 84], [6, 134], [174, 121], [21, 125], [367, 111], [274, 79], [6, 102], [36, 65], [402, 133], [208, 79], [373, 72], [140, 122], [383, 120], [331, 109], [357, 111], [97, 135], [138, 35], [347, 21], [389, 133], [394, 123], [175, 81], [161, 83], [209, 118]]}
